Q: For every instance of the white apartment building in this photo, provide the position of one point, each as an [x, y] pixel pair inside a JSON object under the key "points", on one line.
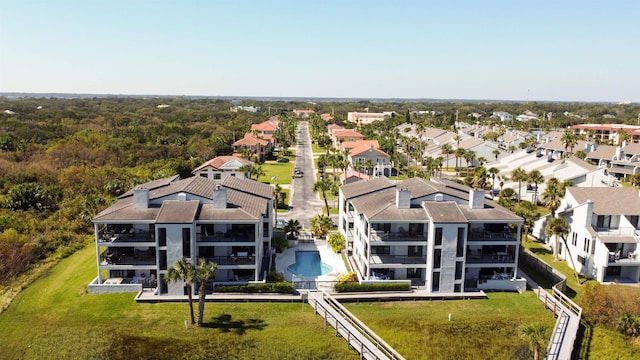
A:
{"points": [[442, 236]]}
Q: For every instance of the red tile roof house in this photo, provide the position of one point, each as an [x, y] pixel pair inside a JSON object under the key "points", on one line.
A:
{"points": [[352, 176], [326, 117], [256, 144], [348, 145], [220, 167], [367, 154], [340, 136]]}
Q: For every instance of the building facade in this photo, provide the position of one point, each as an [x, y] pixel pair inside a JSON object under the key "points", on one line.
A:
{"points": [[156, 224], [442, 236]]}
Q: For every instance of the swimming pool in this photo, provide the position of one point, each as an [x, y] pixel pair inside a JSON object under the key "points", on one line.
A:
{"points": [[308, 263]]}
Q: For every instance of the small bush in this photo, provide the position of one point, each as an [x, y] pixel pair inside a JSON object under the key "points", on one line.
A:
{"points": [[357, 287], [278, 287], [352, 276], [274, 276], [337, 242]]}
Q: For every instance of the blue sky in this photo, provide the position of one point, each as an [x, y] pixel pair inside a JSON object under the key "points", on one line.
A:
{"points": [[504, 50]]}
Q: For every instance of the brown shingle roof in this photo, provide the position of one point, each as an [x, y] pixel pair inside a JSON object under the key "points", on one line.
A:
{"points": [[249, 186], [360, 188], [444, 212], [178, 211], [220, 161], [609, 200]]}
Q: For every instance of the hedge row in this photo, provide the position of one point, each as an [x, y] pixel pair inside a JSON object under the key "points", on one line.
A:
{"points": [[357, 287], [278, 287]]}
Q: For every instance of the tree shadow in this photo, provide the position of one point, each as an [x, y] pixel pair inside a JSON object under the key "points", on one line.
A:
{"points": [[540, 251], [225, 323]]}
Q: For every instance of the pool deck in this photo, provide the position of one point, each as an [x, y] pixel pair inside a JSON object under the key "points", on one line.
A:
{"points": [[288, 257]]}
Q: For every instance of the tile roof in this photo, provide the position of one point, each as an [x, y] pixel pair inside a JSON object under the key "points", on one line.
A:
{"points": [[360, 188], [269, 125], [363, 148], [250, 140], [444, 212], [632, 148], [352, 173], [605, 152], [348, 145], [346, 133], [152, 185], [178, 211], [249, 186], [609, 200], [208, 212], [227, 162]]}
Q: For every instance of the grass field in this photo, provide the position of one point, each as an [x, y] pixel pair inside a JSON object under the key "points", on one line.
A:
{"points": [[277, 173], [55, 319], [480, 329]]}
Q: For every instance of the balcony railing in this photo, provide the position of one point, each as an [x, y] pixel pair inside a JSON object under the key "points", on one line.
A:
{"points": [[623, 231], [501, 257], [227, 237], [398, 236], [398, 259], [120, 258], [127, 237], [232, 260], [490, 236]]}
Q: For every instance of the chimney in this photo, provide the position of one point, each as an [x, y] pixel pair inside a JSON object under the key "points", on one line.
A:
{"points": [[403, 198], [619, 153], [476, 199], [140, 198], [219, 197]]}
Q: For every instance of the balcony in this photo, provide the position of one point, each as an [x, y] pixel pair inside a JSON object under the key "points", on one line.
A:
{"points": [[126, 237], [379, 259], [485, 235], [497, 258], [227, 237], [377, 235], [233, 260], [623, 231], [121, 257]]}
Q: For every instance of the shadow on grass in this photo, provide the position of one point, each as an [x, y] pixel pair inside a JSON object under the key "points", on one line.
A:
{"points": [[539, 251], [226, 323]]}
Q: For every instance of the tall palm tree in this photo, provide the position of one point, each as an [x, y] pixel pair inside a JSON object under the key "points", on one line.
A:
{"points": [[493, 171], [557, 227], [469, 156], [496, 153], [447, 150], [277, 190], [519, 174], [479, 180], [458, 153], [323, 186], [183, 271], [551, 196], [535, 336], [535, 177], [569, 140], [203, 272]]}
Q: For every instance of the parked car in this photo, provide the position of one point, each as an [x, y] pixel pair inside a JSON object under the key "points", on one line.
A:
{"points": [[297, 170], [283, 160]]}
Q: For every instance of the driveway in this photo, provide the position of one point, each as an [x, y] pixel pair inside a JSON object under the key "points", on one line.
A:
{"points": [[303, 202]]}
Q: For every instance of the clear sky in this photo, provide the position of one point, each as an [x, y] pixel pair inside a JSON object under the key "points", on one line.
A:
{"points": [[542, 50]]}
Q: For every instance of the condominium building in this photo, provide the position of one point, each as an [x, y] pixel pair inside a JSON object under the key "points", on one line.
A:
{"points": [[442, 236], [156, 224]]}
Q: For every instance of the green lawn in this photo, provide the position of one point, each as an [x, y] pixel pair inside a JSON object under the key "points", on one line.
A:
{"points": [[317, 149], [277, 173], [55, 319], [480, 329]]}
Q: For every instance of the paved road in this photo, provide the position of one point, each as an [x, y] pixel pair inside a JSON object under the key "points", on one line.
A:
{"points": [[303, 202]]}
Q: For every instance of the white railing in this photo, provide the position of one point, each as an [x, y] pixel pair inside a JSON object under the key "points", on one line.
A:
{"points": [[566, 328]]}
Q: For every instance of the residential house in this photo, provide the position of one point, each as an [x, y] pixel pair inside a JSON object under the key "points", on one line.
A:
{"points": [[220, 167], [527, 116], [364, 118], [341, 135], [371, 160], [502, 115], [153, 226], [349, 145], [326, 117], [303, 114], [442, 236], [255, 144], [603, 241], [252, 109]]}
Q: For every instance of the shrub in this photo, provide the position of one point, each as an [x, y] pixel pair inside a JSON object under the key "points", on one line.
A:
{"points": [[277, 287], [337, 242], [357, 287], [352, 276], [280, 243], [275, 276]]}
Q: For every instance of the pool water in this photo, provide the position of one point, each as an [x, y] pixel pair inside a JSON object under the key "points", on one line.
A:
{"points": [[308, 263]]}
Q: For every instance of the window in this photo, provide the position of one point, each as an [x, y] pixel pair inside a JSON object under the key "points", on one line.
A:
{"points": [[460, 245], [380, 250], [217, 176], [456, 288], [186, 242], [163, 259], [438, 236], [586, 245], [437, 258], [414, 273], [633, 219], [162, 236], [458, 270], [435, 281], [604, 221], [414, 250], [204, 175], [574, 239]]}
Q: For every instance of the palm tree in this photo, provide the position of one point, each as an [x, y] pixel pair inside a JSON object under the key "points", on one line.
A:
{"points": [[482, 160], [519, 174], [623, 136], [184, 271], [494, 172], [251, 170], [323, 186], [277, 190], [551, 196], [535, 177], [496, 153], [479, 180], [569, 140], [447, 150], [320, 225], [557, 227], [203, 272], [529, 212], [292, 228], [458, 153], [506, 197], [469, 156], [535, 336]]}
